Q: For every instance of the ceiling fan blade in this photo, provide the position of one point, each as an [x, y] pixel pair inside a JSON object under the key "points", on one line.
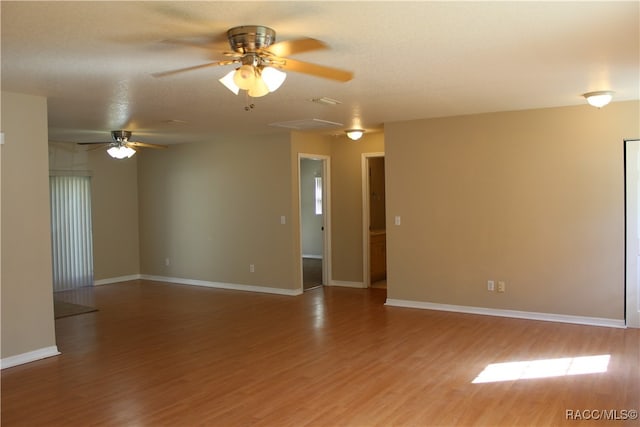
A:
{"points": [[195, 67], [96, 145], [291, 47], [316, 70], [208, 46], [136, 145]]}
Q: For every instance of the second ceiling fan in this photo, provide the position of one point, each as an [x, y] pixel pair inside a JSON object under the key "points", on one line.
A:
{"points": [[121, 146], [262, 61]]}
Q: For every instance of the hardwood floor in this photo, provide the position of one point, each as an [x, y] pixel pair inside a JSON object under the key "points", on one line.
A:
{"points": [[157, 354]]}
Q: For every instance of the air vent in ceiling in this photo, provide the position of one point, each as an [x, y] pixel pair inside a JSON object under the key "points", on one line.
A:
{"points": [[307, 124], [325, 101]]}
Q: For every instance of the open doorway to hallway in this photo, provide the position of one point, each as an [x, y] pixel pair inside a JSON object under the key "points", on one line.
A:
{"points": [[314, 219]]}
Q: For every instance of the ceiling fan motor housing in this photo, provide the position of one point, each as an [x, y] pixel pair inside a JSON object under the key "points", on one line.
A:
{"points": [[250, 38], [120, 135]]}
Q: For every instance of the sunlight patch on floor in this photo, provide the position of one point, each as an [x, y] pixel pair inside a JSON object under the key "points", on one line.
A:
{"points": [[544, 368]]}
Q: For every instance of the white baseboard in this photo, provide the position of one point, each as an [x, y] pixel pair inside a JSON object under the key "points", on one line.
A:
{"points": [[116, 279], [220, 285], [549, 317], [312, 256], [30, 356], [345, 284]]}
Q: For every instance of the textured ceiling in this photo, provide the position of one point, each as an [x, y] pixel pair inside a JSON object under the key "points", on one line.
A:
{"points": [[94, 60]]}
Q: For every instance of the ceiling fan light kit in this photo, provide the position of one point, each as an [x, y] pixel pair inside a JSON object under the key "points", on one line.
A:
{"points": [[273, 78], [228, 81], [245, 77], [257, 81], [599, 98], [121, 152]]}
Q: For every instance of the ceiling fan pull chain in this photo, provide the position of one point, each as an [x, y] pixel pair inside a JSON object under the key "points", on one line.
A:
{"points": [[248, 106]]}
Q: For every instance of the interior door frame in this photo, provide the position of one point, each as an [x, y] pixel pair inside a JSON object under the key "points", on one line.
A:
{"points": [[632, 232], [326, 217], [366, 220]]}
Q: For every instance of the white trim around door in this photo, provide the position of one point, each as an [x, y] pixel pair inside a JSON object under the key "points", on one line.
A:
{"points": [[326, 206]]}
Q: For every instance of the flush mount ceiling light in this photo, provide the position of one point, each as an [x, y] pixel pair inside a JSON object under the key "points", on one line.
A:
{"points": [[600, 98], [354, 134]]}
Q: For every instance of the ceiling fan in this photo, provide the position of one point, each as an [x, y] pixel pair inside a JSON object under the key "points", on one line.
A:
{"points": [[122, 147], [262, 61]]}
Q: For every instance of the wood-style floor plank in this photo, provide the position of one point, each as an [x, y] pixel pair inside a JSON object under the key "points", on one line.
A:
{"points": [[158, 354]]}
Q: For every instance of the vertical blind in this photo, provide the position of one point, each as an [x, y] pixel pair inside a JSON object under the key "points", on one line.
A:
{"points": [[72, 243]]}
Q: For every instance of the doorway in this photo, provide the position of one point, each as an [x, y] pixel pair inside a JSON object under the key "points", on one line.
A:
{"points": [[314, 220], [632, 238], [374, 247]]}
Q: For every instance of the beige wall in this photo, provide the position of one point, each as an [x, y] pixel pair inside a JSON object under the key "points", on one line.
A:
{"points": [[534, 198], [27, 301], [114, 211], [346, 180], [214, 208]]}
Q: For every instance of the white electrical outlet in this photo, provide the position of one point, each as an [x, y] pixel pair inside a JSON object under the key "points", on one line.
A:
{"points": [[491, 285], [283, 219], [397, 220], [167, 262], [252, 268], [501, 286]]}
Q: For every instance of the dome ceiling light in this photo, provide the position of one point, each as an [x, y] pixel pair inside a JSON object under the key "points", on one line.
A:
{"points": [[354, 134], [599, 99]]}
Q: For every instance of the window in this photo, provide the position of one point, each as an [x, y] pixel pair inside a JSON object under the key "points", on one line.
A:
{"points": [[318, 195]]}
